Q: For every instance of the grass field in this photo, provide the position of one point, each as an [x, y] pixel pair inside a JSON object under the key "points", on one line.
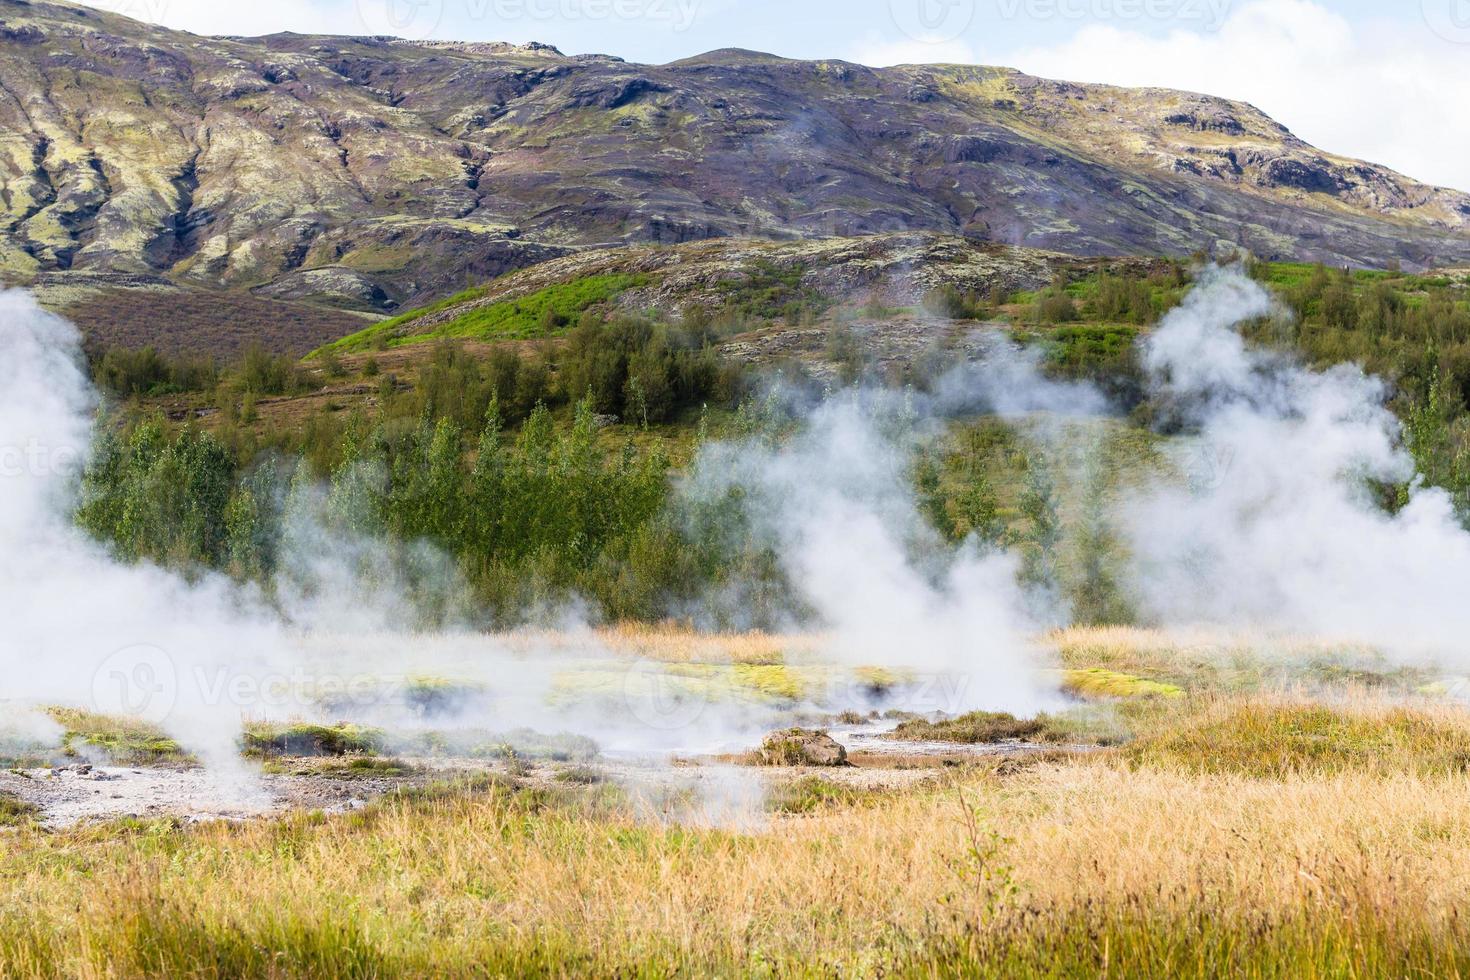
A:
{"points": [[1272, 818]]}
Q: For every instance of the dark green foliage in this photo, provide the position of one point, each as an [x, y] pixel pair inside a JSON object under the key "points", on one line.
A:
{"points": [[640, 371], [1043, 531], [159, 497], [979, 512], [1056, 305], [263, 373], [1440, 447], [1120, 299], [1092, 351], [146, 372], [933, 501], [1412, 331], [769, 292], [1097, 596], [543, 514], [956, 304]]}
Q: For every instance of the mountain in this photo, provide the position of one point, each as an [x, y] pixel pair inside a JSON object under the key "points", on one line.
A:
{"points": [[371, 174]]}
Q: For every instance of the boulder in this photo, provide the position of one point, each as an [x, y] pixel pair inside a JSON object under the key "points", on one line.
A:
{"points": [[799, 747]]}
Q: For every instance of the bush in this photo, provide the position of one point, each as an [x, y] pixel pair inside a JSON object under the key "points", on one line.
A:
{"points": [[1056, 307], [949, 301], [147, 373], [263, 373]]}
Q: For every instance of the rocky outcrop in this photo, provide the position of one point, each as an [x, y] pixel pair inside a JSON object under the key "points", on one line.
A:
{"points": [[388, 173], [798, 747]]}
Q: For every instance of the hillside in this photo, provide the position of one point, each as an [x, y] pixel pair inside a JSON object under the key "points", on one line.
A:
{"points": [[375, 175], [758, 281]]}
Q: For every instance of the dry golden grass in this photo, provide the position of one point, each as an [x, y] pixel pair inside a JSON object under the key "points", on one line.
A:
{"points": [[1231, 834], [1003, 867], [1230, 661], [673, 644]]}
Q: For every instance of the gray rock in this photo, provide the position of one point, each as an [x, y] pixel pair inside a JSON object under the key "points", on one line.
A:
{"points": [[801, 747]]}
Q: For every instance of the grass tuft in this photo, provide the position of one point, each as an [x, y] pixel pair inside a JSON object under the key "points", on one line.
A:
{"points": [[1277, 739], [977, 728], [124, 741], [306, 740], [15, 812], [813, 794]]}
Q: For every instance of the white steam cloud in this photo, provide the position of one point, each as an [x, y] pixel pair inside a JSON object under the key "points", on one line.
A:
{"points": [[1285, 535], [835, 501], [1283, 531], [202, 655]]}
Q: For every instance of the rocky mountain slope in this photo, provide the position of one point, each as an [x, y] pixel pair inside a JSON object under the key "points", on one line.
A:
{"points": [[372, 174], [720, 275]]}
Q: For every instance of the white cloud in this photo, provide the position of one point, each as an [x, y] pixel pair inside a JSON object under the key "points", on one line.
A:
{"points": [[215, 17], [1389, 93], [878, 52]]}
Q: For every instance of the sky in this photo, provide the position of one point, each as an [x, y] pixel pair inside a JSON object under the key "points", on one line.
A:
{"points": [[1382, 80]]}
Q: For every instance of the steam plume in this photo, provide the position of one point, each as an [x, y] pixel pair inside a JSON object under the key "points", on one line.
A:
{"points": [[1283, 530]]}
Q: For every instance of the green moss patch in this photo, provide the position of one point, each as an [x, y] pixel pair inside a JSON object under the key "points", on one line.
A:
{"points": [[360, 767], [977, 728], [542, 313], [303, 740], [124, 741], [1096, 682]]}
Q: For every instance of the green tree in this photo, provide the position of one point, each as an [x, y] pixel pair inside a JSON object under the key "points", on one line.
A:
{"points": [[1038, 506], [979, 511], [1097, 599]]}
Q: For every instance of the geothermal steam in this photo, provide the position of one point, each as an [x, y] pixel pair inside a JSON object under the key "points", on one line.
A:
{"points": [[834, 502], [81, 629], [1283, 533], [1279, 528], [202, 655]]}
